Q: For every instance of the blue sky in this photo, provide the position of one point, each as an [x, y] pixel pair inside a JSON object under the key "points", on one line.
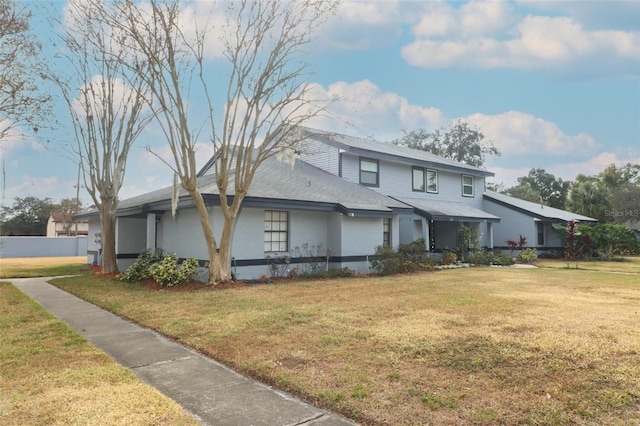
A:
{"points": [[554, 85]]}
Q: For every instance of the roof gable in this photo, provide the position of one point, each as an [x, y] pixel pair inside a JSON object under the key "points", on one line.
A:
{"points": [[389, 151]]}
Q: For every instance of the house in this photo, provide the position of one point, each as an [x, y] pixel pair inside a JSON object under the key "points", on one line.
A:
{"points": [[533, 221], [62, 225], [343, 194], [286, 207], [442, 194]]}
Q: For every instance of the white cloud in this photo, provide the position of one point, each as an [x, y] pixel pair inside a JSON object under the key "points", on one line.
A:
{"points": [[487, 34], [518, 133], [363, 107]]}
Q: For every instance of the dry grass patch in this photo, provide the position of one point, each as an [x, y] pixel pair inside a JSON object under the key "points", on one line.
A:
{"points": [[28, 267], [628, 264], [467, 346], [51, 375]]}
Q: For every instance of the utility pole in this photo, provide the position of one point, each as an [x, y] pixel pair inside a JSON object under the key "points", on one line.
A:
{"points": [[77, 187]]}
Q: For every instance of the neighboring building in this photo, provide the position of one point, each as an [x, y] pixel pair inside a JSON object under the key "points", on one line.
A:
{"points": [[531, 220], [345, 194], [62, 225]]}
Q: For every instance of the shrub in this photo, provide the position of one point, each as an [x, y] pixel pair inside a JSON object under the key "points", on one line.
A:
{"points": [[140, 269], [480, 258], [409, 258], [386, 261], [167, 273], [503, 259], [528, 255], [449, 258], [486, 258]]}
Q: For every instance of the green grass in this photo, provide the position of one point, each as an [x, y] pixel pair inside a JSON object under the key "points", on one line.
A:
{"points": [[51, 375], [466, 346]]}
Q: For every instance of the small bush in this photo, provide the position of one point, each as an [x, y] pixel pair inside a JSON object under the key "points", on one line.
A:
{"points": [[167, 273], [528, 255], [140, 269], [386, 261], [503, 259], [449, 258], [480, 258]]}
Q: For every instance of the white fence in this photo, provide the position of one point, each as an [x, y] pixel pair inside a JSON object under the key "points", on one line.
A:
{"points": [[43, 246]]}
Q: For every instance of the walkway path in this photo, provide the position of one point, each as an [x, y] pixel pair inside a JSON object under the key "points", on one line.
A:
{"points": [[212, 393]]}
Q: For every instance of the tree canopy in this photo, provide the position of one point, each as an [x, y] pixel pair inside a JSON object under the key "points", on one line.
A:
{"points": [[541, 187], [26, 216], [461, 142]]}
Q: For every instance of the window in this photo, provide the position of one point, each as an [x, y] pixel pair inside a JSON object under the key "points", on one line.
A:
{"points": [[369, 172], [418, 179], [386, 232], [467, 186], [432, 180], [540, 228], [276, 231], [420, 176]]}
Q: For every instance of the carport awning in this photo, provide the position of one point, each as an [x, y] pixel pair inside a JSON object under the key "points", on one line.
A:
{"points": [[448, 211]]}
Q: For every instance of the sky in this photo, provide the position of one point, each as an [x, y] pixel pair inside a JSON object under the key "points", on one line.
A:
{"points": [[553, 85]]}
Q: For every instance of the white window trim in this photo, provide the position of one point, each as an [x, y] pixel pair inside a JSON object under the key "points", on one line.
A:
{"points": [[426, 181], [286, 231], [472, 185]]}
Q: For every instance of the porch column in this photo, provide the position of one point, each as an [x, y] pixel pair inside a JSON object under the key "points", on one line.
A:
{"points": [[490, 235], [151, 231], [425, 233]]}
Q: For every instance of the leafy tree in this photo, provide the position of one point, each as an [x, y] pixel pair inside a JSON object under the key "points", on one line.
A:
{"points": [[613, 177], [542, 187], [610, 239], [461, 142], [625, 204], [266, 97], [106, 103], [26, 216], [588, 198]]}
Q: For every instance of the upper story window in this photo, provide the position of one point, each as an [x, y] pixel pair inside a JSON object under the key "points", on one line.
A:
{"points": [[425, 178], [276, 231], [369, 174], [418, 179], [432, 180], [467, 186]]}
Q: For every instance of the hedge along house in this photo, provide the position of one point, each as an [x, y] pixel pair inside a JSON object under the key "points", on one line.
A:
{"points": [[286, 207], [442, 194], [531, 220]]}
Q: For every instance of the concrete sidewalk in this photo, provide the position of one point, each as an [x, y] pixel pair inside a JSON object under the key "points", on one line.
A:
{"points": [[212, 393]]}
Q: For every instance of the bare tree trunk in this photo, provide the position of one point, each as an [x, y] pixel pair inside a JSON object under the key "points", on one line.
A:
{"points": [[207, 230], [108, 225], [224, 255]]}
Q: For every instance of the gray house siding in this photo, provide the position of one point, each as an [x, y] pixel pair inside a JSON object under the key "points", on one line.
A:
{"points": [[182, 235], [396, 180], [512, 225], [320, 155]]}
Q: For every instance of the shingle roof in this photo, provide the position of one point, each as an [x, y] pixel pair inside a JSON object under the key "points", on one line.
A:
{"points": [[535, 209], [275, 180], [446, 210], [393, 152]]}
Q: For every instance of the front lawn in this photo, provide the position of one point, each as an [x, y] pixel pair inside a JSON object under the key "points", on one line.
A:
{"points": [[29, 267], [629, 264], [465, 346], [50, 375]]}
